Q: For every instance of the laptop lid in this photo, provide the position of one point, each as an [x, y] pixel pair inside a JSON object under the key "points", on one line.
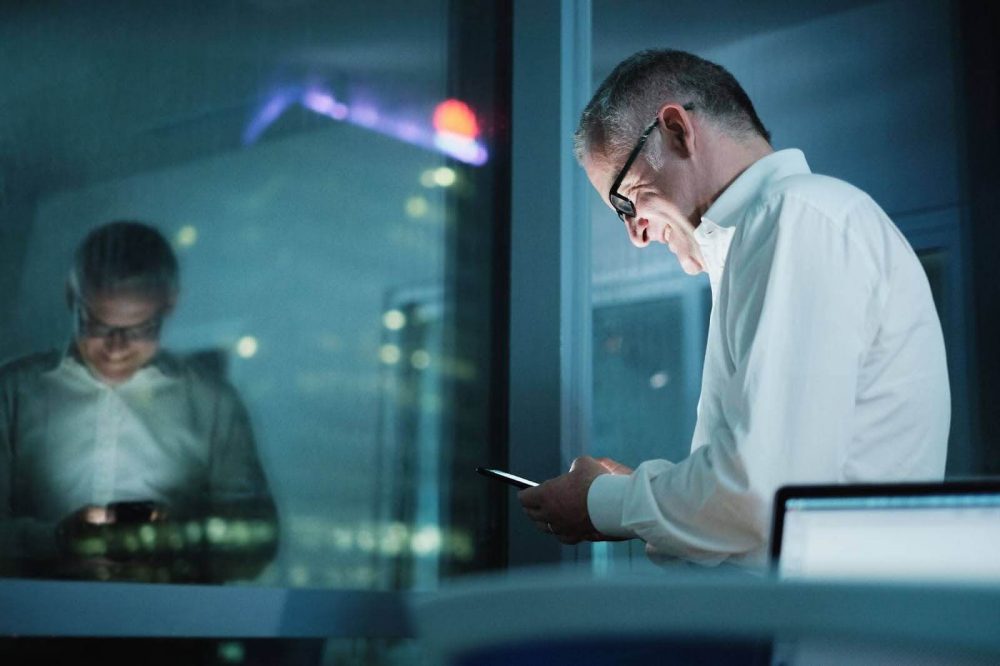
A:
{"points": [[939, 531]]}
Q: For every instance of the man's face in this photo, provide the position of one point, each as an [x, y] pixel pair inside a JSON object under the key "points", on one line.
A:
{"points": [[117, 334], [659, 217]]}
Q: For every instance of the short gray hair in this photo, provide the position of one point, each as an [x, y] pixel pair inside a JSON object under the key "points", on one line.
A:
{"points": [[631, 96], [124, 256]]}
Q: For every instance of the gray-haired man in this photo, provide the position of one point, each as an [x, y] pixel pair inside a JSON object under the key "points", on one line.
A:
{"points": [[113, 434], [825, 361]]}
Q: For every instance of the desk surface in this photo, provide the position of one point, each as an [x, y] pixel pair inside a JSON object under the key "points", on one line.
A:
{"points": [[569, 605]]}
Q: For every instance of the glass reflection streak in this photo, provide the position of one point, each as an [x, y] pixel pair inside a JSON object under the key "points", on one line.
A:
{"points": [[319, 100]]}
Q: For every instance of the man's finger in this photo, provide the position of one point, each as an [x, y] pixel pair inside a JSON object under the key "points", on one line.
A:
{"points": [[614, 466], [534, 513], [95, 515], [530, 497]]}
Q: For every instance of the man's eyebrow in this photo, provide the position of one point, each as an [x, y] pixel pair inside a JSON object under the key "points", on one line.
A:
{"points": [[630, 181]]}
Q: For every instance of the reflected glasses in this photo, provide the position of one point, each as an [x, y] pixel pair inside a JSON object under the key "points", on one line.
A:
{"points": [[621, 203], [88, 326]]}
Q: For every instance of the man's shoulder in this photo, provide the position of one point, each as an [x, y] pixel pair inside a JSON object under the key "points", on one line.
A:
{"points": [[29, 365], [830, 196], [196, 367], [202, 372]]}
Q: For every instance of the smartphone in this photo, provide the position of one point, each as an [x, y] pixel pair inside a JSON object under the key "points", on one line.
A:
{"points": [[132, 512], [506, 477]]}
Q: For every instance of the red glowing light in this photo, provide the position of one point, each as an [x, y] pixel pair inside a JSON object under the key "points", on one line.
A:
{"points": [[455, 117]]}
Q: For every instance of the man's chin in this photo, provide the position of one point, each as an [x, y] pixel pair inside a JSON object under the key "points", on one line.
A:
{"points": [[113, 375]]}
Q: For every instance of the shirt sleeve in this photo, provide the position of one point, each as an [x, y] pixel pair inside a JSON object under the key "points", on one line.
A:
{"points": [[21, 538], [789, 339], [237, 478]]}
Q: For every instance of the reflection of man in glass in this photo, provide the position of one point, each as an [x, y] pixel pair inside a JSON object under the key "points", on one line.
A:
{"points": [[116, 452]]}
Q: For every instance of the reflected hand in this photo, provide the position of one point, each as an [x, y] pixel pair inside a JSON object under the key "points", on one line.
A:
{"points": [[559, 506], [83, 522], [136, 512], [90, 543]]}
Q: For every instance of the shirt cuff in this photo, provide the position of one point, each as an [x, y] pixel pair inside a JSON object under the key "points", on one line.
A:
{"points": [[605, 503]]}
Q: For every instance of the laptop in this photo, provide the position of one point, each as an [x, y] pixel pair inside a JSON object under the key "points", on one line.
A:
{"points": [[946, 531]]}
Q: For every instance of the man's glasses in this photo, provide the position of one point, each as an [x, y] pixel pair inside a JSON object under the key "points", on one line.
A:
{"points": [[621, 203], [89, 326]]}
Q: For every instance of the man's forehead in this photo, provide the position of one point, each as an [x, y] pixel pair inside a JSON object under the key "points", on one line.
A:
{"points": [[123, 305], [601, 171], [123, 295]]}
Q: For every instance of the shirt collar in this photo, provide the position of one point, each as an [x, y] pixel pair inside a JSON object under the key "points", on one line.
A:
{"points": [[726, 210]]}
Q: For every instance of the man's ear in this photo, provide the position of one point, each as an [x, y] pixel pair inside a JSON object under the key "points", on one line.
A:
{"points": [[678, 129]]}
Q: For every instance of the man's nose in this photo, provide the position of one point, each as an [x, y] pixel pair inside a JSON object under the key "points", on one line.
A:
{"points": [[637, 227], [115, 341]]}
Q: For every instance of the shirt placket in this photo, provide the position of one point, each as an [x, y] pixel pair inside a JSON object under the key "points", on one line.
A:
{"points": [[107, 435]]}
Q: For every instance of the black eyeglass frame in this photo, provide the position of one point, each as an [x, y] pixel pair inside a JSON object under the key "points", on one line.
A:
{"points": [[621, 203], [88, 326]]}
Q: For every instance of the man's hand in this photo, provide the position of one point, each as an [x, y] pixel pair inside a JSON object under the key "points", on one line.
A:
{"points": [[559, 506], [614, 467], [83, 522]]}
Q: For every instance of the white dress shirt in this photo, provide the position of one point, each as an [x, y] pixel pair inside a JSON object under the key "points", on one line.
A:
{"points": [[171, 433], [825, 364]]}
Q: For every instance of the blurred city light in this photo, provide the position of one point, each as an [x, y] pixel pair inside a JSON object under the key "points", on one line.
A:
{"points": [[444, 176], [389, 354], [394, 320], [246, 346], [420, 359], [187, 236], [456, 117], [426, 540], [215, 530], [659, 380], [417, 207], [231, 652]]}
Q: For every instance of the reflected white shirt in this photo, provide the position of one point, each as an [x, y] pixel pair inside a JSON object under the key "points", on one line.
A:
{"points": [[825, 363], [171, 433]]}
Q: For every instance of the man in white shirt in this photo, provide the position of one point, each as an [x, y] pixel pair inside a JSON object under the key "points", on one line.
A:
{"points": [[115, 433], [825, 361]]}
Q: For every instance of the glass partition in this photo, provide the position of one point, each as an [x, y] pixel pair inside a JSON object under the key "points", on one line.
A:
{"points": [[308, 406]]}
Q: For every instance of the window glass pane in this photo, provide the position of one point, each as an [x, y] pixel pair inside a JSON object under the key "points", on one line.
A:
{"points": [[307, 407], [641, 406]]}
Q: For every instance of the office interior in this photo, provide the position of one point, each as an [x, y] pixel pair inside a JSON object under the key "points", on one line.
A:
{"points": [[387, 248]]}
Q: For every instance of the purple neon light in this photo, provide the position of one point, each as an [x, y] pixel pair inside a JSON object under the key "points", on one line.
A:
{"points": [[268, 113], [410, 132], [364, 115], [324, 103], [461, 147], [321, 101]]}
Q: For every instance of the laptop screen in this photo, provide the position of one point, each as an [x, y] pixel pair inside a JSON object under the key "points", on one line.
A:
{"points": [[946, 531]]}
